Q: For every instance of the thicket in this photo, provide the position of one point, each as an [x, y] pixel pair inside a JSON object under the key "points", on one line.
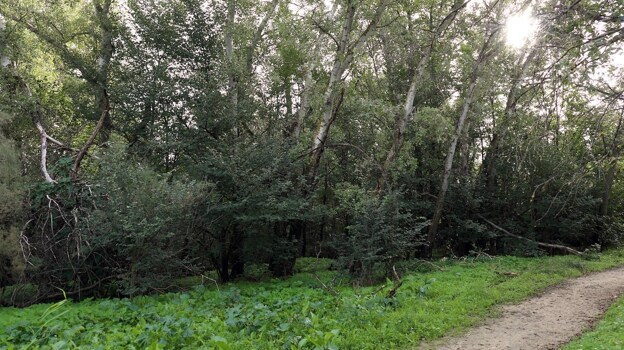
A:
{"points": [[11, 212], [162, 141]]}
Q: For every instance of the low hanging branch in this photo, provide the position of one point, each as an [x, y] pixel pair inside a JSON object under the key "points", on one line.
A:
{"points": [[540, 244], [89, 143], [44, 149]]}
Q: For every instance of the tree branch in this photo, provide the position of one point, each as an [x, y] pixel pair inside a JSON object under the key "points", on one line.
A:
{"points": [[87, 145], [540, 244]]}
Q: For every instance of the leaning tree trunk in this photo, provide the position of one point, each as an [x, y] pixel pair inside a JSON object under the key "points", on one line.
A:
{"points": [[500, 131], [408, 107], [610, 176], [484, 53], [342, 61]]}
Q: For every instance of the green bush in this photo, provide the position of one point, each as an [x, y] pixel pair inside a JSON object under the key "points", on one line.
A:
{"points": [[383, 232], [313, 264], [11, 211], [139, 222]]}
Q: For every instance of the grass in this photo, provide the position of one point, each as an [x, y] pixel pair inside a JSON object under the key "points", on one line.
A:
{"points": [[608, 334], [297, 313]]}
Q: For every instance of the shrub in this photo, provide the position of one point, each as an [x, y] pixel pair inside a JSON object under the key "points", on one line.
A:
{"points": [[139, 222], [11, 212], [383, 232]]}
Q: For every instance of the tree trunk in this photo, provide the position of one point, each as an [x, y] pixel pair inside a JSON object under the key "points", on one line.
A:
{"points": [[614, 152], [608, 186], [408, 108], [229, 55], [501, 128], [257, 35], [102, 11], [464, 153], [311, 64], [85, 148], [342, 61], [450, 155]]}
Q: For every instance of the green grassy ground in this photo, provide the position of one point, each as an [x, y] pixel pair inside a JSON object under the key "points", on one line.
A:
{"points": [[608, 335], [296, 313]]}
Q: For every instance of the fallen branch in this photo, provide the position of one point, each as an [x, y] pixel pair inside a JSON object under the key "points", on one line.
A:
{"points": [[430, 263], [540, 244], [329, 288], [397, 283], [203, 277]]}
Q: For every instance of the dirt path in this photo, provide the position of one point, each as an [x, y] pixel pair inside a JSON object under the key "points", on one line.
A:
{"points": [[546, 321]]}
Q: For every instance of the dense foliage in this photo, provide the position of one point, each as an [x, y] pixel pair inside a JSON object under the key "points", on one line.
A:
{"points": [[145, 140], [296, 313]]}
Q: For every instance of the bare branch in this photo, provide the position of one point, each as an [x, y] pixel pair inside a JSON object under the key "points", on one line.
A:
{"points": [[540, 244], [87, 145], [44, 154]]}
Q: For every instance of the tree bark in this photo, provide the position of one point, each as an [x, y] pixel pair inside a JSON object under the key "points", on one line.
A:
{"points": [[448, 164], [408, 107], [342, 61]]}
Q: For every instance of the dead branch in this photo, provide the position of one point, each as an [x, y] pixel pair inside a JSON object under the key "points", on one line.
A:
{"points": [[25, 246], [203, 277], [328, 287], [55, 295], [540, 244], [431, 264], [87, 145], [507, 273], [43, 164], [60, 144], [397, 283]]}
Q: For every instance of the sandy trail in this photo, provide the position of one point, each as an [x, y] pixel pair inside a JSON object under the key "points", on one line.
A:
{"points": [[546, 321]]}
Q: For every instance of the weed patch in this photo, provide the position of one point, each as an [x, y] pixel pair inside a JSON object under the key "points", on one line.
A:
{"points": [[297, 313]]}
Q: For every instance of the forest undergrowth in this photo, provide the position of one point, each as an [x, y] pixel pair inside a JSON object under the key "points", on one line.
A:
{"points": [[315, 309]]}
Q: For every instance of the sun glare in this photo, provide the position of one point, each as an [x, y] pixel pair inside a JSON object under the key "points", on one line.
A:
{"points": [[520, 29]]}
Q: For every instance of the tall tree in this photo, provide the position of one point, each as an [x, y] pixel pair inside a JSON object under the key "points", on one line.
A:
{"points": [[416, 82], [487, 49], [346, 49]]}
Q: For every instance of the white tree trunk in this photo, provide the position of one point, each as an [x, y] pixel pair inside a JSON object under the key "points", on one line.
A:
{"points": [[342, 60], [408, 108], [450, 155]]}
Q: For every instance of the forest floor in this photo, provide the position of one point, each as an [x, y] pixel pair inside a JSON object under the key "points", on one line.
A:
{"points": [[546, 321], [319, 308]]}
